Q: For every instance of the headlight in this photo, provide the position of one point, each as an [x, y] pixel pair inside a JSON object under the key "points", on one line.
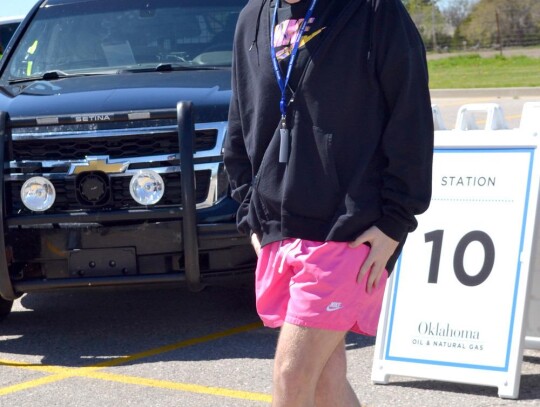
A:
{"points": [[146, 187], [38, 194]]}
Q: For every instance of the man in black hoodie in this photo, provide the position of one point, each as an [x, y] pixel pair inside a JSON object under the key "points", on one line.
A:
{"points": [[329, 152]]}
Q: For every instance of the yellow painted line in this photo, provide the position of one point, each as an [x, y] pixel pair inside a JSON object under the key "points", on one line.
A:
{"points": [[507, 118], [52, 370], [58, 373], [179, 345], [191, 388], [31, 366], [33, 383]]}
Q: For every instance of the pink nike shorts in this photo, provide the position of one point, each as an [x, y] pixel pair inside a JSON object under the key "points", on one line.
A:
{"points": [[313, 284]]}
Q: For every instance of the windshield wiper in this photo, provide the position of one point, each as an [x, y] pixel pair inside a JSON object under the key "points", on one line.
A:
{"points": [[166, 67], [162, 67], [53, 75]]}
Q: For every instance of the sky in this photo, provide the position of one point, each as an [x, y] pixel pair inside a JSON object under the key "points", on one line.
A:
{"points": [[10, 8]]}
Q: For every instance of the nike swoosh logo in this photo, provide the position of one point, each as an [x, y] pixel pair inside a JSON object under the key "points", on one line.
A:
{"points": [[334, 307], [307, 37]]}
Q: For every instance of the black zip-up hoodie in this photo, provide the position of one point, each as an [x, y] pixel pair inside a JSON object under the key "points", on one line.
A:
{"points": [[361, 129]]}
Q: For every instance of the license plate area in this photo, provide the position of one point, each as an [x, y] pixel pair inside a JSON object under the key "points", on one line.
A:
{"points": [[103, 262]]}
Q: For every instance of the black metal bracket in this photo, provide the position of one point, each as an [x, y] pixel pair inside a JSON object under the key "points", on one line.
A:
{"points": [[186, 136], [6, 288]]}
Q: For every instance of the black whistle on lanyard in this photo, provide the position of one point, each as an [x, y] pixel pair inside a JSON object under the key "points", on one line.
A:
{"points": [[283, 142]]}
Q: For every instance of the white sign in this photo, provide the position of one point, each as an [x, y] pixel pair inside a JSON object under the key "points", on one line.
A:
{"points": [[454, 307]]}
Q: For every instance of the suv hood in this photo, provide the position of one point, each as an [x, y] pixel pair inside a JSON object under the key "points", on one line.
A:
{"points": [[209, 90]]}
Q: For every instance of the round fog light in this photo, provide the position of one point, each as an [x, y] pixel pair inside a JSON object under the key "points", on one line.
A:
{"points": [[146, 187], [38, 194]]}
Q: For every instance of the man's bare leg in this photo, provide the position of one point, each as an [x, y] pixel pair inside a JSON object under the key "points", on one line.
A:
{"points": [[301, 357], [333, 388]]}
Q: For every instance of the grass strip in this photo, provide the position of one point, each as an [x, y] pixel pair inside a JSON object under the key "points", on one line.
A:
{"points": [[474, 71]]}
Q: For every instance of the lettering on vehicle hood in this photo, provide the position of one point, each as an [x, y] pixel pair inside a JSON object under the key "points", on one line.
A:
{"points": [[93, 118]]}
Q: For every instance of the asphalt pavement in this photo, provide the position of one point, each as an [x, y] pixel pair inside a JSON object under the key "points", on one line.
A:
{"points": [[164, 346]]}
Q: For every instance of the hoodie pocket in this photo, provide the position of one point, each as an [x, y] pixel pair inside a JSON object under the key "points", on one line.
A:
{"points": [[326, 151], [269, 181], [312, 188]]}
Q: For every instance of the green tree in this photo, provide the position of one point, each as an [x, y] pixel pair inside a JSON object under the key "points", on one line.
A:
{"points": [[457, 11], [429, 20], [503, 23]]}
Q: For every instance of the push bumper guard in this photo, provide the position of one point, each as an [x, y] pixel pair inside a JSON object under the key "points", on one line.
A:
{"points": [[6, 288], [191, 276]]}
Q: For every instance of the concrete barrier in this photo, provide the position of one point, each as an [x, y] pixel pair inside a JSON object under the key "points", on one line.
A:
{"points": [[468, 117]]}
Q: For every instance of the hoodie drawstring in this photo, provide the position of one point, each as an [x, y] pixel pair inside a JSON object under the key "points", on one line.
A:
{"points": [[257, 26]]}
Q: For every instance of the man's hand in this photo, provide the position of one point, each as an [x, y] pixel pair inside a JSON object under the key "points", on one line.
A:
{"points": [[256, 244], [382, 248]]}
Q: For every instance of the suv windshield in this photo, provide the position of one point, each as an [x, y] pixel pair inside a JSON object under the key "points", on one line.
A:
{"points": [[94, 36]]}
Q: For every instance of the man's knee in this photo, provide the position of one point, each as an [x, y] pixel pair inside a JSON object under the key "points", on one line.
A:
{"points": [[334, 374], [300, 357], [292, 370]]}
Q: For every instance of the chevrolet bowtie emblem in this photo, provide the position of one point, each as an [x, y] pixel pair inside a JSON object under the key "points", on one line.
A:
{"points": [[97, 163]]}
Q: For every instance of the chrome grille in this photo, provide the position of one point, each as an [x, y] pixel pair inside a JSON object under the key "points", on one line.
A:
{"points": [[51, 151], [133, 145]]}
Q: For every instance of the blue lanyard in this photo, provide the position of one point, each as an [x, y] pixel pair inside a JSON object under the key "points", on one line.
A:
{"points": [[283, 82]]}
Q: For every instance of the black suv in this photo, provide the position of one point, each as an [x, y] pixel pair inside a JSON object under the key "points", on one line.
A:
{"points": [[113, 115]]}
